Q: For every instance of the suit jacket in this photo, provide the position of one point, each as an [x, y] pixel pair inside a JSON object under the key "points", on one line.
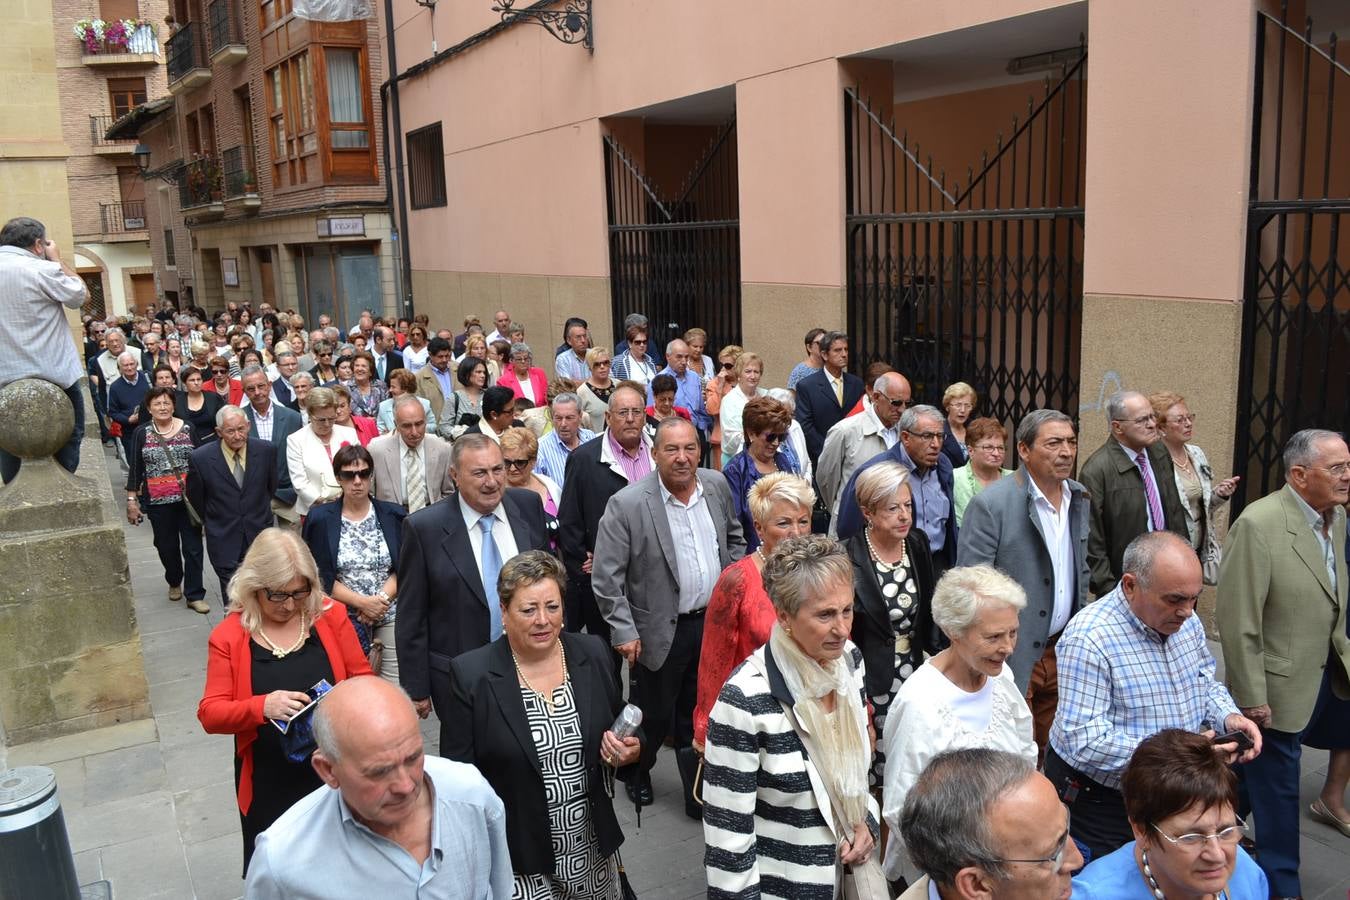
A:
{"points": [[850, 521], [442, 607], [232, 516], [493, 734], [849, 444], [283, 394], [430, 388], [538, 383], [1002, 529], [592, 477], [1278, 614], [387, 450], [873, 633], [818, 410], [285, 422], [323, 529], [634, 574], [393, 361], [1119, 509]]}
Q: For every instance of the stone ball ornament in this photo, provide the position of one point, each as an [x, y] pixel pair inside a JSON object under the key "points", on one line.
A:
{"points": [[38, 418]]}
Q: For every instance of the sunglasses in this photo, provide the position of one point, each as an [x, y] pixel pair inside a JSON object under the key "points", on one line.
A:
{"points": [[353, 474], [774, 438], [516, 463]]}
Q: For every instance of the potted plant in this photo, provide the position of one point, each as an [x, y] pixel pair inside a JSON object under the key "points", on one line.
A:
{"points": [[117, 34], [90, 33]]}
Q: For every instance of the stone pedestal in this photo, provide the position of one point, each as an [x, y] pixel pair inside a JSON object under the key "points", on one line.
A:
{"points": [[71, 658]]}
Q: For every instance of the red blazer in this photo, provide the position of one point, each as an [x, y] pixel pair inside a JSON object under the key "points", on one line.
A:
{"points": [[538, 380], [366, 429], [229, 705], [236, 390]]}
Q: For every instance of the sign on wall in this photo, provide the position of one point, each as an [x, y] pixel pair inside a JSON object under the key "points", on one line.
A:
{"points": [[342, 226]]}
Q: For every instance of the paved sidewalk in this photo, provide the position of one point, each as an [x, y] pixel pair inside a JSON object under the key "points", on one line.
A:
{"points": [[150, 805]]}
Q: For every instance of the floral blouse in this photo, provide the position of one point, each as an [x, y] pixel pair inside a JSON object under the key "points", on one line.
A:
{"points": [[368, 404], [161, 469], [363, 560]]}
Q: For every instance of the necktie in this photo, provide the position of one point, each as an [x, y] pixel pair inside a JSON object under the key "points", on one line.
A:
{"points": [[492, 565], [379, 366], [838, 390], [1155, 510], [414, 483], [238, 469]]}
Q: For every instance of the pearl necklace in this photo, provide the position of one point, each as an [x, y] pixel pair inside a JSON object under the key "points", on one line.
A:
{"points": [[884, 566], [299, 641], [547, 698], [1158, 892]]}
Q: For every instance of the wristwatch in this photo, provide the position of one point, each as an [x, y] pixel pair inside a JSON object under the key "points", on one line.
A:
{"points": [[382, 595]]}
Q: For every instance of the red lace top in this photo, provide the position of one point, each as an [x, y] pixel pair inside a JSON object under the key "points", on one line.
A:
{"points": [[739, 618]]}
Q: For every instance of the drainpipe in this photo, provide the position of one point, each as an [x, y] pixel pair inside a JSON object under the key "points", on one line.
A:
{"points": [[389, 96]]}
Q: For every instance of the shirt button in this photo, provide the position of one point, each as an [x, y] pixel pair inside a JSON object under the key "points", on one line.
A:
{"points": [[1046, 580], [1042, 614], [1036, 644]]}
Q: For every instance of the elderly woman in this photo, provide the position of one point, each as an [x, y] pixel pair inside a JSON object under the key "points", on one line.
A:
{"points": [[766, 424], [156, 487], [230, 390], [520, 451], [786, 805], [699, 362], [197, 407], [958, 400], [595, 391], [324, 372], [301, 384], [368, 392], [534, 709], [401, 381], [986, 444], [281, 638], [635, 363], [1182, 800], [310, 450], [355, 545], [893, 589], [747, 372], [964, 696], [523, 377], [1200, 494], [740, 615], [364, 426]]}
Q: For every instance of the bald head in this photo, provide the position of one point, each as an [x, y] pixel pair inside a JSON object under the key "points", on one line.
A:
{"points": [[890, 398], [362, 714]]}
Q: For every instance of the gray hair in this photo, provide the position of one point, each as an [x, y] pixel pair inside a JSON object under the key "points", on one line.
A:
{"points": [[1115, 404], [634, 320], [302, 376], [521, 347], [333, 334], [22, 232], [803, 567], [285, 353], [405, 400], [884, 379], [945, 819], [226, 411], [1030, 427], [1143, 550], [467, 442], [670, 345], [528, 569], [252, 369], [325, 735], [879, 483], [126, 354], [785, 396], [964, 592], [910, 417], [566, 397], [115, 330], [1301, 450]]}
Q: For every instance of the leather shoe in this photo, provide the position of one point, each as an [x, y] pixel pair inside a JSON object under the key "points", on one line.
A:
{"points": [[640, 791], [198, 606], [1322, 814], [175, 593]]}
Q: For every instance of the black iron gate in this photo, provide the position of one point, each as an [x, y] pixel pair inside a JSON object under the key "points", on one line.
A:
{"points": [[979, 283], [677, 259], [1295, 361]]}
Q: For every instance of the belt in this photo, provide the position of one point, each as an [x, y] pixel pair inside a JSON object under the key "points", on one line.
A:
{"points": [[694, 613]]}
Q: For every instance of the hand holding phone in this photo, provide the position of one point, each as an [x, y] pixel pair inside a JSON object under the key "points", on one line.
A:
{"points": [[1241, 738]]}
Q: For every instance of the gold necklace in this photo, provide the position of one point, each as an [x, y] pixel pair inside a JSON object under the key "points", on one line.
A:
{"points": [[299, 641], [547, 698]]}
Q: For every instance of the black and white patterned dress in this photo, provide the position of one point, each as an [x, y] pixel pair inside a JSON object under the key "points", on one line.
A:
{"points": [[901, 593], [363, 565], [580, 871]]}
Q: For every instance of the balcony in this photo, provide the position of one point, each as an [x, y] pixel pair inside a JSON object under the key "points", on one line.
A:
{"points": [[226, 21], [187, 59], [98, 128], [201, 188], [241, 178], [128, 42], [125, 220]]}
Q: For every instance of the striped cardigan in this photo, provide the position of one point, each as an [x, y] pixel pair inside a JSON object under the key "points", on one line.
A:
{"points": [[767, 821]]}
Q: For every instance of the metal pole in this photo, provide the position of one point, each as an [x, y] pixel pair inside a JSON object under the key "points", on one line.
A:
{"points": [[35, 858]]}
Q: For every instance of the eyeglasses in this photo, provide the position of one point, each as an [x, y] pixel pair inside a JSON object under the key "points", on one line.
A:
{"points": [[516, 463], [1140, 421], [323, 420], [897, 404], [774, 438], [928, 437], [353, 474], [990, 448], [1339, 470], [299, 596], [1183, 420], [628, 413], [960, 404], [1055, 859], [604, 363], [1194, 840]]}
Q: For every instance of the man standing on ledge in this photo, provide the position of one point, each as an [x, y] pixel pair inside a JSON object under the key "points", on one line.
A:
{"points": [[35, 342]]}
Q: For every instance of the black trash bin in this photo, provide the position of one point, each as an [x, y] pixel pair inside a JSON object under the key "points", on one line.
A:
{"points": [[35, 858]]}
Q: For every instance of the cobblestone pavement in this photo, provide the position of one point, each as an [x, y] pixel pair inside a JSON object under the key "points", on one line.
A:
{"points": [[150, 805]]}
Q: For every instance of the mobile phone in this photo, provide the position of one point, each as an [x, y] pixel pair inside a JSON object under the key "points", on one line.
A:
{"points": [[1234, 737], [316, 693]]}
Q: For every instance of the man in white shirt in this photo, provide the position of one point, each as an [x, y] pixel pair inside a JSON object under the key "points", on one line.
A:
{"points": [[274, 423], [501, 321], [853, 441]]}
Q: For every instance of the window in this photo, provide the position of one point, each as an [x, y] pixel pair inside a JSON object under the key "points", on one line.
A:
{"points": [[271, 12], [290, 110], [346, 105], [125, 94], [118, 9], [426, 167]]}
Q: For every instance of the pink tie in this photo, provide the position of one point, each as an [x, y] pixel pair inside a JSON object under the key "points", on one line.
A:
{"points": [[1150, 492]]}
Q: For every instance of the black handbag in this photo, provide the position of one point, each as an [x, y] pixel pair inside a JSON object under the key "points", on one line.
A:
{"points": [[625, 888]]}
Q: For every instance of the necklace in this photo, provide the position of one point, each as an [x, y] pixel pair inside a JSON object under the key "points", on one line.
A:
{"points": [[547, 698], [162, 433], [876, 557], [1158, 892], [1184, 463], [299, 641]]}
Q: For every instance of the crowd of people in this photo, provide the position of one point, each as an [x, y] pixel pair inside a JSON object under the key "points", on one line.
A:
{"points": [[887, 664]]}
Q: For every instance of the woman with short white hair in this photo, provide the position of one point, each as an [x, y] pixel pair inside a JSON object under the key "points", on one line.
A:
{"points": [[964, 696]]}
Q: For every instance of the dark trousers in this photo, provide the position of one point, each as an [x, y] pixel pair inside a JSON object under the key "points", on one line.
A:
{"points": [[179, 544], [580, 610], [1097, 820], [225, 573], [667, 695], [69, 455]]}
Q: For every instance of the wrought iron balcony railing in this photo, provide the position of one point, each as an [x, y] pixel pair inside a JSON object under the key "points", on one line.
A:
{"points": [[186, 51], [119, 218], [98, 127], [199, 182], [240, 170], [226, 21]]}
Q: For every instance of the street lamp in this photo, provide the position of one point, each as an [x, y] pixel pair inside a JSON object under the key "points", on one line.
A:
{"points": [[142, 153], [572, 24]]}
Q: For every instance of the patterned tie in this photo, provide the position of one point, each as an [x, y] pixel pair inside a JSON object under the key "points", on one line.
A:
{"points": [[492, 565], [237, 468], [414, 483], [1155, 510]]}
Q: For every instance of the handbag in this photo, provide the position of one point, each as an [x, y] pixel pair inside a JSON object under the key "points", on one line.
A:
{"points": [[865, 881], [625, 889], [193, 517]]}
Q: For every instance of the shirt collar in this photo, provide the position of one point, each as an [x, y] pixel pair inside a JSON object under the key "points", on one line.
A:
{"points": [[472, 516], [242, 453], [1132, 454], [1117, 596], [1316, 521], [1037, 496], [644, 446], [265, 416], [668, 497]]}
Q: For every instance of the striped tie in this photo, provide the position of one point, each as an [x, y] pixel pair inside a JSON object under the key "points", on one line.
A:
{"points": [[414, 482], [1155, 509]]}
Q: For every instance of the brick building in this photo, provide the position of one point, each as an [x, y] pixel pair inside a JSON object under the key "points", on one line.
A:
{"points": [[266, 172]]}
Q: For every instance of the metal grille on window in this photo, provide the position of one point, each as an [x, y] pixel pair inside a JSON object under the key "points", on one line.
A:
{"points": [[426, 167]]}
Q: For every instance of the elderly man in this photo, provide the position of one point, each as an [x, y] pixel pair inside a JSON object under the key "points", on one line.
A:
{"points": [[501, 321], [556, 447], [571, 362], [390, 819], [919, 450], [447, 569], [688, 386], [125, 394], [985, 824], [662, 544], [1282, 621], [231, 483], [412, 468], [288, 364], [274, 423], [1131, 664], [1033, 525], [104, 369], [825, 397], [854, 440], [301, 384], [1132, 486]]}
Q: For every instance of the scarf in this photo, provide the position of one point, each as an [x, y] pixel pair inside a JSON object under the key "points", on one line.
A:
{"points": [[837, 740]]}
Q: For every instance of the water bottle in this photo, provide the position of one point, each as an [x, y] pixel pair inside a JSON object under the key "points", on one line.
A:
{"points": [[626, 725]]}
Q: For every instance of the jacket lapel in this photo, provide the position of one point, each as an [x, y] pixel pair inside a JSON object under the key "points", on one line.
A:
{"points": [[460, 552], [583, 676], [656, 510], [506, 691], [869, 596], [1305, 543]]}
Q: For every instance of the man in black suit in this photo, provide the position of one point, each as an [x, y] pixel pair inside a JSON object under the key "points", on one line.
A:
{"points": [[287, 365], [825, 397], [230, 482], [447, 570], [384, 347], [274, 423]]}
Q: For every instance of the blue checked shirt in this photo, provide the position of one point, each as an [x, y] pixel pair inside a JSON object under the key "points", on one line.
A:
{"points": [[553, 454], [1120, 682]]}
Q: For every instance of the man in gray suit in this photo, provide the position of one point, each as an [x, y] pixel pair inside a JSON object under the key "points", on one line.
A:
{"points": [[272, 422], [1033, 525], [412, 468], [661, 545]]}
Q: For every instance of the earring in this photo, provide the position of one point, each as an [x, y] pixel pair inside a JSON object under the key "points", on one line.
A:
{"points": [[789, 631]]}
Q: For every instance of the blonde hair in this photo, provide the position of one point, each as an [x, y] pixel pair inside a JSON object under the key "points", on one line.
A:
{"points": [[959, 389], [593, 355], [879, 483], [775, 487], [732, 350], [320, 398], [744, 360], [274, 559], [520, 439]]}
